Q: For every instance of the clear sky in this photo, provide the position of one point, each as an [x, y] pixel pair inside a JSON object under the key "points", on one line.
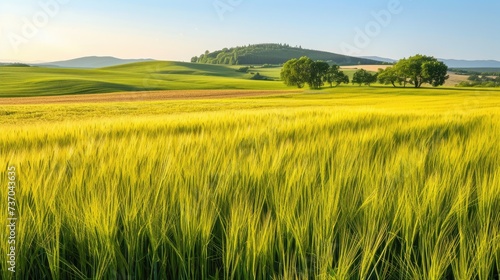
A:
{"points": [[49, 30]]}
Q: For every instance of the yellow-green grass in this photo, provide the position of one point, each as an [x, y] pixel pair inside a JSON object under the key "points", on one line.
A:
{"points": [[346, 183], [162, 75], [142, 76]]}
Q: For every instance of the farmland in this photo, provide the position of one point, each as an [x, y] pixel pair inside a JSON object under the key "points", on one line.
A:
{"points": [[345, 183], [141, 76]]}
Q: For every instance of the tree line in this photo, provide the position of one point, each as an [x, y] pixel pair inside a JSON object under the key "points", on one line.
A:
{"points": [[415, 70], [276, 54], [481, 80], [298, 72], [240, 55]]}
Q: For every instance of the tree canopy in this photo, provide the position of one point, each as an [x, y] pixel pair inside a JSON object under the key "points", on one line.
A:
{"points": [[415, 70], [298, 72], [334, 75], [295, 72], [364, 77]]}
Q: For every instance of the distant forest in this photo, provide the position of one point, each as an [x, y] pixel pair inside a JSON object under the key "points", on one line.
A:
{"points": [[479, 77], [275, 54]]}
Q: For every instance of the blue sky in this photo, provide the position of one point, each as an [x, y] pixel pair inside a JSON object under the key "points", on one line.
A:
{"points": [[48, 30]]}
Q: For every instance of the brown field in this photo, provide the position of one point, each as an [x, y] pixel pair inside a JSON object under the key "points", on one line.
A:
{"points": [[455, 79], [134, 96]]}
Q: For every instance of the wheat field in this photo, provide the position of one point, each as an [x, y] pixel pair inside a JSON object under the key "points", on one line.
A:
{"points": [[298, 186]]}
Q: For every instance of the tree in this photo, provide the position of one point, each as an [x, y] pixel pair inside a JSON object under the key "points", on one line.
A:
{"points": [[416, 70], [289, 74], [389, 76], [334, 75], [358, 77], [422, 69], [474, 78], [194, 59], [318, 70], [370, 79], [364, 77], [402, 70], [296, 72], [435, 73], [341, 78]]}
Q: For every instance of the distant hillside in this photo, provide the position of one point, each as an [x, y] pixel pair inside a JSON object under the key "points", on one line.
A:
{"points": [[454, 63], [378, 58], [92, 62], [274, 54], [14, 65]]}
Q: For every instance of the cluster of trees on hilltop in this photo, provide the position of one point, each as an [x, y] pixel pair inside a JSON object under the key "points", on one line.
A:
{"points": [[415, 70], [275, 54], [237, 55], [16, 64], [298, 72]]}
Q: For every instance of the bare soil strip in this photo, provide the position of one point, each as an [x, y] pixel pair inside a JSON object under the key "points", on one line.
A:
{"points": [[135, 96]]}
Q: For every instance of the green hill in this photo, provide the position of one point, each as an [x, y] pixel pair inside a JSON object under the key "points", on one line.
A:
{"points": [[274, 54], [141, 76]]}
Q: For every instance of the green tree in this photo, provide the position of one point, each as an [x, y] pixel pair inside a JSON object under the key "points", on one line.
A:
{"points": [[416, 70], [296, 72], [364, 77], [474, 78], [317, 72], [370, 79], [341, 77], [435, 73], [422, 69], [389, 75], [289, 74], [402, 70], [358, 77], [334, 75]]}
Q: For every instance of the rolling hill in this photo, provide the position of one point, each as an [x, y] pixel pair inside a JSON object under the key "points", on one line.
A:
{"points": [[274, 54], [90, 62], [378, 58], [140, 76], [457, 63]]}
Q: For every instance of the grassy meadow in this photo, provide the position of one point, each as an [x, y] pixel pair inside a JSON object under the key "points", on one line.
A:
{"points": [[347, 183], [141, 76]]}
